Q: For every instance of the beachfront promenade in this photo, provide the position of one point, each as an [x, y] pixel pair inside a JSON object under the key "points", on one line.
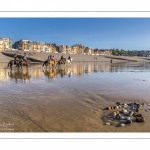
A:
{"points": [[6, 56]]}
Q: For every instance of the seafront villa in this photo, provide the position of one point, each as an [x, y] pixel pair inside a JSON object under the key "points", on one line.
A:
{"points": [[28, 45], [5, 44]]}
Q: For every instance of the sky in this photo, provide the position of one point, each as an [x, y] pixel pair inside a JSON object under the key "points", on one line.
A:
{"points": [[118, 33]]}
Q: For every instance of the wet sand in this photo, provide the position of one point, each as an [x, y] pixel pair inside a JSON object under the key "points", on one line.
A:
{"points": [[34, 101]]}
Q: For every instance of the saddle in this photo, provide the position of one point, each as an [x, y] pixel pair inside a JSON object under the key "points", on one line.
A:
{"points": [[24, 62]]}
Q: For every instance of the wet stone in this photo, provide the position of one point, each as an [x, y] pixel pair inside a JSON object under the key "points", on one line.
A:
{"points": [[140, 119], [128, 121], [121, 125], [107, 123]]}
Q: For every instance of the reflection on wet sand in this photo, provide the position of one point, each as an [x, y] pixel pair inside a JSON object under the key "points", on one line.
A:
{"points": [[77, 69], [19, 74]]}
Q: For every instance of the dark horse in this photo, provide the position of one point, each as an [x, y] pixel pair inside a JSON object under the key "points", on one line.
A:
{"points": [[19, 63], [61, 62], [45, 63]]}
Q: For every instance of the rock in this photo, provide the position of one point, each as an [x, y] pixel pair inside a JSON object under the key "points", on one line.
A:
{"points": [[124, 105], [109, 108], [124, 111], [116, 107], [106, 123], [117, 112], [139, 105], [139, 115], [131, 113], [128, 118], [118, 103], [131, 104], [133, 108], [121, 125], [140, 119], [114, 113], [134, 114], [128, 121], [138, 109], [136, 103], [122, 117]]}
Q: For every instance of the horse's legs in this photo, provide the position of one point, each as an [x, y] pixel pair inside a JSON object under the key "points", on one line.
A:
{"points": [[11, 66]]}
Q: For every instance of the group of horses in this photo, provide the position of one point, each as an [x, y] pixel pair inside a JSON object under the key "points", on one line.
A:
{"points": [[54, 63], [19, 63]]}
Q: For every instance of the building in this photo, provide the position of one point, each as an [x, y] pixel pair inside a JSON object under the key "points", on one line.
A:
{"points": [[51, 48], [74, 50], [88, 50], [36, 46], [62, 48], [80, 48], [5, 44], [23, 45], [68, 50]]}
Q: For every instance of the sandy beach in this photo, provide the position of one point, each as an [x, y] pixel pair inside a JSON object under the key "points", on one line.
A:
{"points": [[76, 57], [62, 105]]}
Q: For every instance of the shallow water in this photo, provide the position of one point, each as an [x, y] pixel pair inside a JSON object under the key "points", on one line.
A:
{"points": [[71, 99]]}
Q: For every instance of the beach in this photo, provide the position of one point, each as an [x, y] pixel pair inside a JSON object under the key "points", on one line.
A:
{"points": [[45, 103], [42, 56]]}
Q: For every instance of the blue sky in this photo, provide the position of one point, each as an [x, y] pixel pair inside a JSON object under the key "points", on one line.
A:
{"points": [[121, 33]]}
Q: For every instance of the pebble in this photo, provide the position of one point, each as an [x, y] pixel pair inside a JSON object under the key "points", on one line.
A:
{"points": [[133, 108], [134, 114], [140, 119], [106, 123], [118, 103], [114, 113], [139, 115], [125, 105], [122, 117], [109, 108], [128, 118], [124, 111], [131, 113], [138, 109], [121, 125], [117, 112], [128, 121], [116, 107]]}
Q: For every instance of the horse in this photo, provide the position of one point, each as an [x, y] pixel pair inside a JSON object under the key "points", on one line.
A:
{"points": [[50, 63], [61, 62], [11, 63], [69, 61], [24, 63]]}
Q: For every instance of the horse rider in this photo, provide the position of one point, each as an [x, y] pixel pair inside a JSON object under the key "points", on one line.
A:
{"points": [[62, 57], [69, 58], [49, 58], [25, 57], [16, 61], [53, 58]]}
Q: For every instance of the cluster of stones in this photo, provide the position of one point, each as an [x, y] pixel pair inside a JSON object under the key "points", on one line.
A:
{"points": [[125, 113]]}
